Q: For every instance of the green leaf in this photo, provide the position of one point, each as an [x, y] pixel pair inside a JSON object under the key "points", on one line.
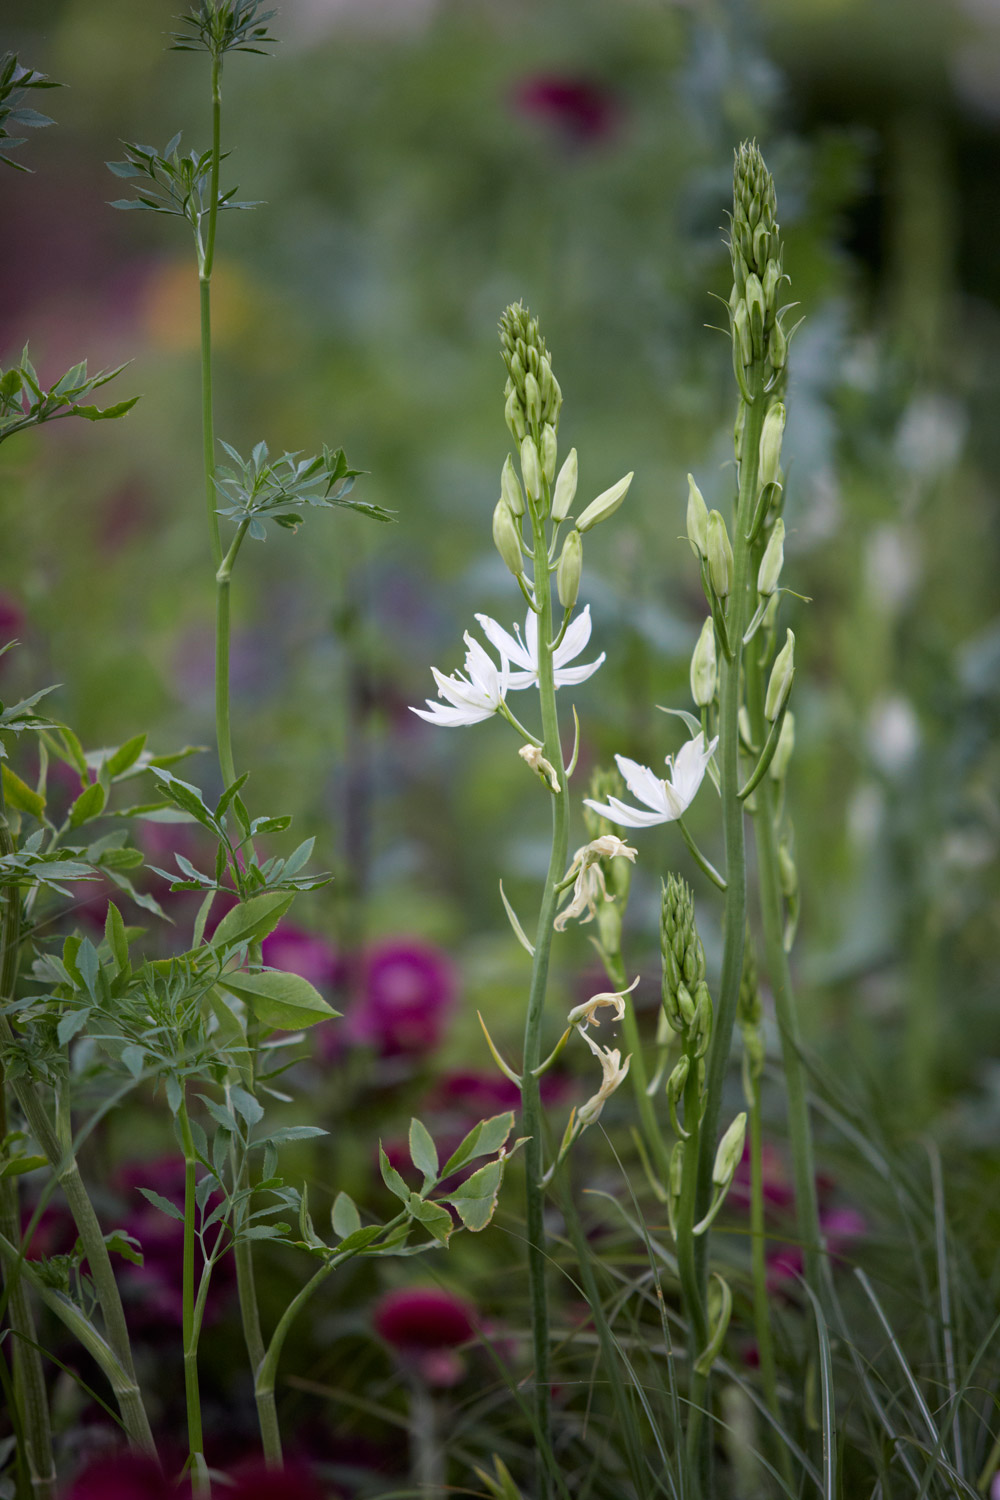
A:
{"points": [[186, 796], [359, 1239], [423, 1151], [69, 1024], [134, 1058], [391, 1177], [283, 1002], [89, 804], [20, 795], [105, 413], [117, 939], [253, 920], [476, 1200], [246, 1105], [120, 1242], [18, 1165], [295, 1133], [482, 1140], [344, 1216], [164, 1204], [126, 755], [435, 1219], [220, 1114]]}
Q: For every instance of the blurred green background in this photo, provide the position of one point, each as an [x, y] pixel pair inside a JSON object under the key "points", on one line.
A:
{"points": [[419, 165]]}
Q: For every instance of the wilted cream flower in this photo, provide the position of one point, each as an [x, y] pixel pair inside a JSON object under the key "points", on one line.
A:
{"points": [[590, 887], [586, 1014], [533, 756], [613, 1070]]}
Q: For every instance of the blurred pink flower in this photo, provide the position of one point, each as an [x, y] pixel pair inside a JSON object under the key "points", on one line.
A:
{"points": [[841, 1228], [579, 109], [424, 1326], [408, 992], [256, 1481], [12, 622], [124, 1476], [777, 1188], [307, 954]]}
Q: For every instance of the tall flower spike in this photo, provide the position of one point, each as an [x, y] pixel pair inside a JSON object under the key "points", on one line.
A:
{"points": [[665, 801], [532, 391], [681, 951], [522, 651]]}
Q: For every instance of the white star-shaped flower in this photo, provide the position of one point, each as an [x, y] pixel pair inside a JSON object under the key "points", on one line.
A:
{"points": [[469, 699], [522, 651], [667, 800]]}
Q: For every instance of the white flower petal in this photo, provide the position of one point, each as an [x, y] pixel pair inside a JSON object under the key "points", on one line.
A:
{"points": [[508, 646], [689, 768], [642, 783], [568, 676], [625, 816], [576, 637]]}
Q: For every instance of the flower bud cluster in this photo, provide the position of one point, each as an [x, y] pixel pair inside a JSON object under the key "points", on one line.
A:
{"points": [[533, 396], [756, 251], [686, 1001]]}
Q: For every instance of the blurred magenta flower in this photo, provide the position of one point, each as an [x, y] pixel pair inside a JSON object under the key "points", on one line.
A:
{"points": [[408, 991], [425, 1326], [580, 110], [841, 1228], [304, 953], [12, 622], [256, 1481], [125, 1476]]}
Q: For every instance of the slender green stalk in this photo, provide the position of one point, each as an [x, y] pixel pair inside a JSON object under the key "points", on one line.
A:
{"points": [[769, 878], [29, 1378], [758, 1267], [196, 1442], [223, 730], [530, 1095], [734, 921], [693, 1291], [206, 260], [615, 966]]}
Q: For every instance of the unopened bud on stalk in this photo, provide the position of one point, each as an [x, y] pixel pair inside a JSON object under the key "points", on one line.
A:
{"points": [[771, 563], [569, 569], [565, 490], [704, 672], [532, 399], [784, 748], [777, 347], [727, 1157], [741, 421], [531, 469], [697, 520], [770, 289], [720, 555], [507, 539], [787, 872], [545, 379], [780, 682], [677, 1169], [605, 505], [510, 488], [514, 416], [701, 1023], [678, 1078], [754, 295], [680, 948], [741, 334], [770, 445], [549, 451]]}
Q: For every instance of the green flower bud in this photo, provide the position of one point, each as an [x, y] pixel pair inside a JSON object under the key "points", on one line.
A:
{"points": [[678, 1078], [787, 872], [605, 505], [704, 672], [553, 404], [549, 451], [727, 1157], [754, 295], [741, 422], [777, 347], [783, 749], [517, 370], [532, 397], [741, 334], [697, 520], [700, 1026], [770, 445], [531, 469], [771, 563], [569, 569], [510, 488], [565, 490], [720, 555], [677, 1169], [780, 683], [514, 416], [772, 277], [681, 951], [545, 379], [507, 539]]}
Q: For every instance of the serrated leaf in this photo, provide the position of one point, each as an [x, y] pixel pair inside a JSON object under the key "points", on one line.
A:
{"points": [[284, 1002], [88, 965], [246, 1105], [476, 1200], [483, 1139], [423, 1151], [295, 1133], [70, 1024], [391, 1177], [435, 1219], [220, 1114], [89, 804], [344, 1216], [253, 920], [120, 1242], [116, 938], [264, 1231], [359, 1239], [164, 1204], [20, 795], [134, 1058]]}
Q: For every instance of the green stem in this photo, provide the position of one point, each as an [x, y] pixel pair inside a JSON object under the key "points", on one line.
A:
{"points": [[693, 1291], [614, 965], [196, 1442], [769, 880], [206, 258], [223, 730], [758, 1267], [29, 1377], [531, 1109]]}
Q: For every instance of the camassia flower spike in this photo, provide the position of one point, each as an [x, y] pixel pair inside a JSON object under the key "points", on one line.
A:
{"points": [[665, 801], [522, 651], [469, 699]]}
